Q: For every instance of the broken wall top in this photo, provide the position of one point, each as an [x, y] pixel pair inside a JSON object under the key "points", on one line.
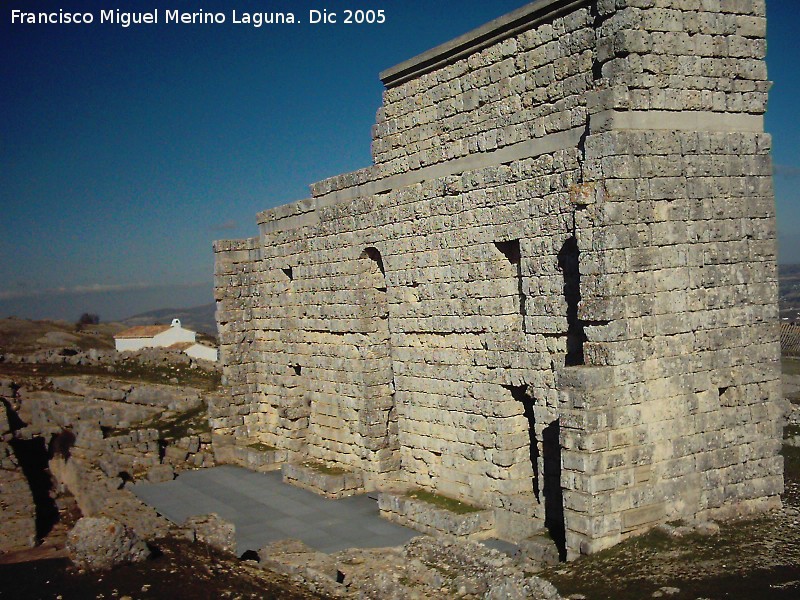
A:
{"points": [[545, 76]]}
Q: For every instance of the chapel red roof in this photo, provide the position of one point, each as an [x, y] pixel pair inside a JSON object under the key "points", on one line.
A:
{"points": [[142, 331]]}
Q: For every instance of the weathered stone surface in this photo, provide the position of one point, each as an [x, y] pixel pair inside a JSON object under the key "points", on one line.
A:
{"points": [[94, 357], [427, 518], [164, 396], [246, 453], [331, 485], [212, 530], [424, 568], [44, 409], [540, 549], [92, 387], [99, 543], [98, 495], [293, 557], [160, 473], [17, 507]]}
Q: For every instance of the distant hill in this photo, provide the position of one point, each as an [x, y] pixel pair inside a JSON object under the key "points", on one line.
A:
{"points": [[789, 285], [23, 336], [198, 318]]}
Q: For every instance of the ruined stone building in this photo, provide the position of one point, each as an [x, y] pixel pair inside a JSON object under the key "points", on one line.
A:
{"points": [[553, 294]]}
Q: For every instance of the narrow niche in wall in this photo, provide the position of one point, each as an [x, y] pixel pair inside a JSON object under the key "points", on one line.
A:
{"points": [[377, 415], [545, 456], [511, 250], [728, 396], [289, 273], [375, 256], [519, 393], [569, 264], [553, 494]]}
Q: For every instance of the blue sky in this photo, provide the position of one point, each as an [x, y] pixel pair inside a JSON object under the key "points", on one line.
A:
{"points": [[124, 152]]}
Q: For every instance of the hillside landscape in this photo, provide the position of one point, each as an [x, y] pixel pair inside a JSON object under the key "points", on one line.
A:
{"points": [[197, 318], [153, 425], [789, 286]]}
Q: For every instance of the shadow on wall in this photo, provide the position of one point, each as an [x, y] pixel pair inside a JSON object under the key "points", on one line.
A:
{"points": [[569, 263], [33, 459], [553, 495], [547, 484]]}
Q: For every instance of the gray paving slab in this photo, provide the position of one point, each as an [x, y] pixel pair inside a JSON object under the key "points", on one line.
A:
{"points": [[503, 546], [264, 510]]}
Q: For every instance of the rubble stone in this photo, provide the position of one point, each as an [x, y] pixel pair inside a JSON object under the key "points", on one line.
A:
{"points": [[160, 473], [99, 543], [212, 530], [17, 507]]}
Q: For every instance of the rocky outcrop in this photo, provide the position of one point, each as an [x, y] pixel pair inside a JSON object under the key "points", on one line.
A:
{"points": [[50, 411], [105, 417], [95, 388], [99, 495], [17, 510], [72, 355], [164, 397], [212, 530], [100, 543], [425, 567], [92, 429]]}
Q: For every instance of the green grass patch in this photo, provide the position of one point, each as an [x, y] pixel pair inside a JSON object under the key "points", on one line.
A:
{"points": [[439, 501], [261, 447], [327, 469]]}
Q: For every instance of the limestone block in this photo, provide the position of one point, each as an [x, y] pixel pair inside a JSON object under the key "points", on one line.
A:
{"points": [[326, 481], [99, 543], [211, 529], [427, 518], [160, 473]]}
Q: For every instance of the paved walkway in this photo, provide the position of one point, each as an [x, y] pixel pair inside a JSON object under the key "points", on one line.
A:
{"points": [[264, 510]]}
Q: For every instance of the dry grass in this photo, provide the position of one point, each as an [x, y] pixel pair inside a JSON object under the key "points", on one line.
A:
{"points": [[439, 501]]}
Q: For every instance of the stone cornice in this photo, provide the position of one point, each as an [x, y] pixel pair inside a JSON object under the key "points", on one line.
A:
{"points": [[497, 30]]}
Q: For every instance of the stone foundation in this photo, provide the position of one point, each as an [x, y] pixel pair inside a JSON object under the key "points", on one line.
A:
{"points": [[311, 476], [228, 452], [427, 518]]}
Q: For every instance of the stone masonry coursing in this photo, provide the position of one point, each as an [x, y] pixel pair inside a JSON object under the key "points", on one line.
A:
{"points": [[554, 292]]}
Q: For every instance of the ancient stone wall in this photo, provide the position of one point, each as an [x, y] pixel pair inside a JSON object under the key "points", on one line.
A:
{"points": [[552, 295]]}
